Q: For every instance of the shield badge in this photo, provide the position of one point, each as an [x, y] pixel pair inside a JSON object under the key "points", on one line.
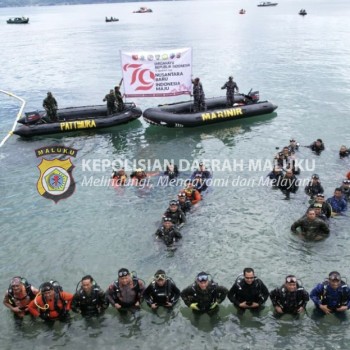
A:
{"points": [[56, 181]]}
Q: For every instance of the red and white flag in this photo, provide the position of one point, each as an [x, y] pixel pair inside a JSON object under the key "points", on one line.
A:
{"points": [[158, 73]]}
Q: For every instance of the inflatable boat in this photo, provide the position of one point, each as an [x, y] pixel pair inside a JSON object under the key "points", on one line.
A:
{"points": [[75, 119], [18, 20], [181, 114]]}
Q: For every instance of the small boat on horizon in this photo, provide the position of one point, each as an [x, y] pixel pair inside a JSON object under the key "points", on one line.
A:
{"points": [[267, 3], [143, 9], [302, 12], [18, 20], [242, 11], [112, 19]]}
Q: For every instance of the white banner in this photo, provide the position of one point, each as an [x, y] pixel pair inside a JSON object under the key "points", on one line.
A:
{"points": [[158, 73]]}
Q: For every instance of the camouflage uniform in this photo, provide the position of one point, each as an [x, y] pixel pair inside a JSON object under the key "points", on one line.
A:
{"points": [[230, 87], [311, 229], [198, 95], [119, 99], [110, 98], [50, 105]]}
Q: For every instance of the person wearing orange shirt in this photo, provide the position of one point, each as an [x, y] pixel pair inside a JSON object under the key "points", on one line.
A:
{"points": [[18, 296], [51, 303], [192, 194]]}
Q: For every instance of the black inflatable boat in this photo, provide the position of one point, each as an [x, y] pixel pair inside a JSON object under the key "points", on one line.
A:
{"points": [[181, 114], [75, 119]]}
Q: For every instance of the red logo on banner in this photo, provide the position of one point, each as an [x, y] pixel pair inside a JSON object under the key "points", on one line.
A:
{"points": [[142, 78]]}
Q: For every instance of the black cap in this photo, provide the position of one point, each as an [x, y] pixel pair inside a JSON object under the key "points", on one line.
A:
{"points": [[45, 287]]}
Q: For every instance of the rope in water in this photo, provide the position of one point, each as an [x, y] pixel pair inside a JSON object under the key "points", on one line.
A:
{"points": [[18, 115]]}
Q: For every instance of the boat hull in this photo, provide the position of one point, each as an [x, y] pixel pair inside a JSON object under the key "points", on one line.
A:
{"points": [[77, 119], [18, 20], [267, 4], [179, 114]]}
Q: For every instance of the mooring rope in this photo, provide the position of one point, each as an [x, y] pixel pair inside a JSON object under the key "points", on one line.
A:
{"points": [[18, 115]]}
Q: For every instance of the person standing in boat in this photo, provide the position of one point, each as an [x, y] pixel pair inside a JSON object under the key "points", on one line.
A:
{"points": [[50, 105], [119, 99], [230, 87], [110, 98], [198, 96]]}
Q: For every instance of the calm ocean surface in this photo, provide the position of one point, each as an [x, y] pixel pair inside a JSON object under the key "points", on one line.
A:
{"points": [[300, 64]]}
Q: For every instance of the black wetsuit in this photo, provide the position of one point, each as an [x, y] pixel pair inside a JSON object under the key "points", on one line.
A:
{"points": [[204, 298], [91, 304], [289, 302], [161, 295], [250, 293]]}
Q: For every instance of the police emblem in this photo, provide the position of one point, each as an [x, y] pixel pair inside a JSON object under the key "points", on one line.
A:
{"points": [[55, 181]]}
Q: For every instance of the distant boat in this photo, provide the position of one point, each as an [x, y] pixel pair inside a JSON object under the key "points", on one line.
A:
{"points": [[302, 12], [242, 11], [143, 10], [268, 3], [112, 19], [18, 20]]}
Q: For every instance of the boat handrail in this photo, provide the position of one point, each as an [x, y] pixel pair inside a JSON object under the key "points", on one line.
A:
{"points": [[18, 115]]}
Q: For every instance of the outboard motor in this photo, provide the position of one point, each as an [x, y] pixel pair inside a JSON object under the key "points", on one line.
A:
{"points": [[255, 96], [252, 97], [31, 118]]}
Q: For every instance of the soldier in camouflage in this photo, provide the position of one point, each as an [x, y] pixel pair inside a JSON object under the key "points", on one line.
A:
{"points": [[50, 105], [230, 87], [110, 98], [198, 95], [119, 99], [311, 228]]}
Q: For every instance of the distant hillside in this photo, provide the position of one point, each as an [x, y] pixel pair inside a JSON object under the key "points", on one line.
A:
{"points": [[21, 3]]}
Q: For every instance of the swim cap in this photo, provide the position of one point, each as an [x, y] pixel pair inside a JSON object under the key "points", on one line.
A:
{"points": [[45, 287]]}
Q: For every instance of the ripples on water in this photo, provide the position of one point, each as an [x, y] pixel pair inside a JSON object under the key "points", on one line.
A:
{"points": [[304, 68]]}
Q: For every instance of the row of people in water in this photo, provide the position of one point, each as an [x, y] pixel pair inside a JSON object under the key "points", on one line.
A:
{"points": [[288, 183], [314, 224], [50, 302], [138, 177], [283, 176], [174, 217]]}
